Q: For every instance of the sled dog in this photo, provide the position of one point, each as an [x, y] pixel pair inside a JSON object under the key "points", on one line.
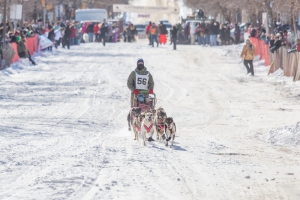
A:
{"points": [[170, 130], [147, 129]]}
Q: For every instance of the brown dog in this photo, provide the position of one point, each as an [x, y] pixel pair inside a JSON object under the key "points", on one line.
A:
{"points": [[137, 124]]}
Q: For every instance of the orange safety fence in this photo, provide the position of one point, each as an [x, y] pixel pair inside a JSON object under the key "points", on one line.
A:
{"points": [[261, 49], [16, 56], [254, 41], [31, 44]]}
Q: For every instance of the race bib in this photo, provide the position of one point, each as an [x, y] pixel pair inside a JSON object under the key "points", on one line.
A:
{"points": [[141, 81]]}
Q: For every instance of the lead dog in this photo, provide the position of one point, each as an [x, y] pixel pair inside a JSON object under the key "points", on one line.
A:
{"points": [[133, 112], [170, 130], [137, 124], [160, 121], [147, 129]]}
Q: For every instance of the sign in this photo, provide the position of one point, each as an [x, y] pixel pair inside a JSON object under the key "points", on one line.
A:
{"points": [[50, 16], [59, 10], [145, 9], [143, 15], [45, 42], [16, 11]]}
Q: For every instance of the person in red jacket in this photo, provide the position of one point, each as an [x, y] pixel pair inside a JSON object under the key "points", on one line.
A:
{"points": [[97, 31], [73, 34], [148, 32]]}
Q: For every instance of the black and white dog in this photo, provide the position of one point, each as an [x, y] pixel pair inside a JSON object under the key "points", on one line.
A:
{"points": [[160, 123], [133, 113], [170, 130]]}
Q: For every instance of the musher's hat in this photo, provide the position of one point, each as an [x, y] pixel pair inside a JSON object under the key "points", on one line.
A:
{"points": [[140, 60]]}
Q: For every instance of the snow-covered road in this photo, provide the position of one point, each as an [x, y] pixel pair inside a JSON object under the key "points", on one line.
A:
{"points": [[63, 129]]}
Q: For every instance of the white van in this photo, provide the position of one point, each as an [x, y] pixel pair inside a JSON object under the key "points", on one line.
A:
{"points": [[94, 15]]}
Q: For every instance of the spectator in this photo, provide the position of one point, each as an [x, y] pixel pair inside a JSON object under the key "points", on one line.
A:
{"points": [[263, 36], [227, 34], [272, 40], [51, 36], [237, 34], [97, 32], [22, 50], [73, 34], [154, 33], [58, 36], [174, 32], [247, 55], [148, 32], [129, 33], [90, 32], [222, 34], [163, 33], [67, 35], [103, 31]]}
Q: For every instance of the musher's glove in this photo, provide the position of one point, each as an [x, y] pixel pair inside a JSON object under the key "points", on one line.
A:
{"points": [[136, 92], [151, 91]]}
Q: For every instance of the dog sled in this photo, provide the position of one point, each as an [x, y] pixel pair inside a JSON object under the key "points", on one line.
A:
{"points": [[145, 101]]}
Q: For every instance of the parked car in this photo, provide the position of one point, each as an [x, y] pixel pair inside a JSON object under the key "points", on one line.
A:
{"points": [[141, 28]]}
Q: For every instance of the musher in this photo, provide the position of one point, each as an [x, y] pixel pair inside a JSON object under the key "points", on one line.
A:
{"points": [[140, 79]]}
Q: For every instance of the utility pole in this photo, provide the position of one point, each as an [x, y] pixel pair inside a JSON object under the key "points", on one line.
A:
{"points": [[4, 26], [35, 14]]}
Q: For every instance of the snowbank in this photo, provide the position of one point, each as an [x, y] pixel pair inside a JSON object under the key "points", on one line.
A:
{"points": [[285, 136]]}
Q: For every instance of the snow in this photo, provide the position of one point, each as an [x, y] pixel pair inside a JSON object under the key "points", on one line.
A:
{"points": [[63, 130], [288, 135]]}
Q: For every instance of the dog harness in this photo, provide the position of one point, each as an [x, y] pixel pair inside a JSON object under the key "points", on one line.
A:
{"points": [[161, 126], [139, 128], [141, 81], [148, 128]]}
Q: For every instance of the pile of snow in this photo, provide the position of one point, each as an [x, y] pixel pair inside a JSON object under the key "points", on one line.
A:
{"points": [[285, 136]]}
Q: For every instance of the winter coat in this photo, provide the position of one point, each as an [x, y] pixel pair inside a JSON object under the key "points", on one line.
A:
{"points": [[237, 31], [83, 30], [215, 29], [222, 34], [22, 50], [154, 30], [67, 32], [248, 52], [128, 30], [104, 29], [51, 35], [210, 29], [132, 78], [174, 33], [96, 29], [163, 29], [148, 28], [90, 28], [227, 33], [73, 32]]}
